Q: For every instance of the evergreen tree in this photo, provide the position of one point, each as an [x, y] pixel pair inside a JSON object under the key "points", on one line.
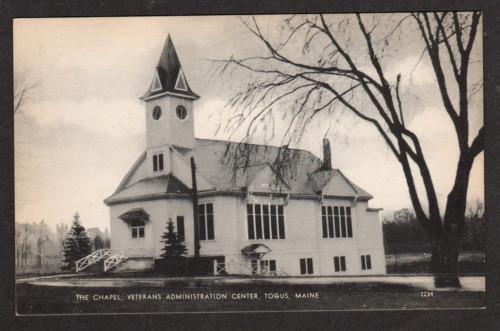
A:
{"points": [[76, 244], [174, 248]]}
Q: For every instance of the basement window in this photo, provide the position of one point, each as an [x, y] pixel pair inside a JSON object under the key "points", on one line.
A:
{"points": [[306, 266], [366, 262], [339, 263]]}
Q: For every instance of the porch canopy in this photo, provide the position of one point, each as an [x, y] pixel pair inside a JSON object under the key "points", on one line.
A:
{"points": [[134, 215], [255, 251]]}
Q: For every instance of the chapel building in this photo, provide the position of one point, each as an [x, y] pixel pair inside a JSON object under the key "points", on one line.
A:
{"points": [[310, 220]]}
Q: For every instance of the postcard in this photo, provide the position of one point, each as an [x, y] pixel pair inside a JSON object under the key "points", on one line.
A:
{"points": [[221, 164]]}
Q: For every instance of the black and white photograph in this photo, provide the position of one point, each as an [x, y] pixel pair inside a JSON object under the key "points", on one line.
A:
{"points": [[315, 162]]}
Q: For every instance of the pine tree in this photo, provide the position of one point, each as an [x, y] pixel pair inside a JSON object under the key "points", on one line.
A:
{"points": [[174, 248], [76, 244]]}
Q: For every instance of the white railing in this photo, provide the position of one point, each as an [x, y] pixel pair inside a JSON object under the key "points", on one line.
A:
{"points": [[112, 257], [219, 268], [92, 258], [115, 259]]}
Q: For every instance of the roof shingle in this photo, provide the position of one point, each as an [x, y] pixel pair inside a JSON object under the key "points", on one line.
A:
{"points": [[214, 159]]}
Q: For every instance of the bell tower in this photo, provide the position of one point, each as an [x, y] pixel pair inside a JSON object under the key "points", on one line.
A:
{"points": [[169, 104]]}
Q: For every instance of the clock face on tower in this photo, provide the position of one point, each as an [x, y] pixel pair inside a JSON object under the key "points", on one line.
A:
{"points": [[181, 112], [156, 112]]}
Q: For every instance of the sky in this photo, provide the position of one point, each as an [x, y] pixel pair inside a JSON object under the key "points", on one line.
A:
{"points": [[83, 124]]}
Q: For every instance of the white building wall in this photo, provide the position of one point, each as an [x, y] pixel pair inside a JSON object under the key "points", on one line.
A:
{"points": [[226, 237], [303, 233], [121, 236], [168, 129]]}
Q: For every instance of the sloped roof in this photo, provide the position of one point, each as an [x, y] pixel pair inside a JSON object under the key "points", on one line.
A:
{"points": [[255, 248], [168, 69], [260, 176], [214, 163], [334, 182], [150, 187], [134, 214], [214, 158]]}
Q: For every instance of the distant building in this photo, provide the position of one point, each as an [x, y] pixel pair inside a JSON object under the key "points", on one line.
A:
{"points": [[317, 223], [93, 232]]}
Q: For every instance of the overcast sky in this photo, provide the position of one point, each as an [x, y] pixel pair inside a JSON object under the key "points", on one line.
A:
{"points": [[84, 126]]}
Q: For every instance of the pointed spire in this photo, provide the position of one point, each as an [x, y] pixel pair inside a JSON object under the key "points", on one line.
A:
{"points": [[168, 70], [169, 60]]}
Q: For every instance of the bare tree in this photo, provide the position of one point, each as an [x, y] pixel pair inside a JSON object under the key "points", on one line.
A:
{"points": [[23, 89], [315, 67], [62, 230]]}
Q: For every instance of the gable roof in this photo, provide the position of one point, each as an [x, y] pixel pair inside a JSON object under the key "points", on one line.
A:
{"points": [[334, 182], [213, 160], [260, 177], [167, 71]]}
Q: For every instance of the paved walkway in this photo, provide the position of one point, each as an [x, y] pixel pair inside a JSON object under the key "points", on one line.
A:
{"points": [[469, 283]]}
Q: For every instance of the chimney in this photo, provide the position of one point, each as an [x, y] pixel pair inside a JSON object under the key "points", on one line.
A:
{"points": [[327, 155]]}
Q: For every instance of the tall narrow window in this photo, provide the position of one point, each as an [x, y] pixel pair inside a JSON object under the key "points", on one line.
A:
{"points": [[324, 224], [265, 221], [306, 266], [180, 228], [343, 222], [258, 222], [206, 221], [158, 162], [274, 223], [281, 222], [330, 222], [349, 222], [339, 263], [366, 262], [250, 217], [336, 222]]}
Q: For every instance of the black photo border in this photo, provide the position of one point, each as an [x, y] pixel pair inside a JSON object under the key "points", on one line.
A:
{"points": [[481, 319]]}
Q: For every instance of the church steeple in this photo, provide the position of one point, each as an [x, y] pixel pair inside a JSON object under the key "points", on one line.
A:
{"points": [[168, 76], [169, 107]]}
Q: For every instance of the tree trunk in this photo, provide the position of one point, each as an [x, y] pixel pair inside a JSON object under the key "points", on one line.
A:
{"points": [[444, 260], [447, 247]]}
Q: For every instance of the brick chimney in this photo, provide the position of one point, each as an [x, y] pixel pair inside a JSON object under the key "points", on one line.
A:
{"points": [[327, 155]]}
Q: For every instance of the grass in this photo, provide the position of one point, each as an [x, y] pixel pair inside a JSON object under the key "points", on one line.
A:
{"points": [[419, 263]]}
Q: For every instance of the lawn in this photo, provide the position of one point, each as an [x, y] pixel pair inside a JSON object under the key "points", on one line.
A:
{"points": [[197, 295], [419, 263]]}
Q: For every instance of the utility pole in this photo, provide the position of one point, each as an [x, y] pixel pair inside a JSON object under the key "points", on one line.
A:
{"points": [[194, 196]]}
